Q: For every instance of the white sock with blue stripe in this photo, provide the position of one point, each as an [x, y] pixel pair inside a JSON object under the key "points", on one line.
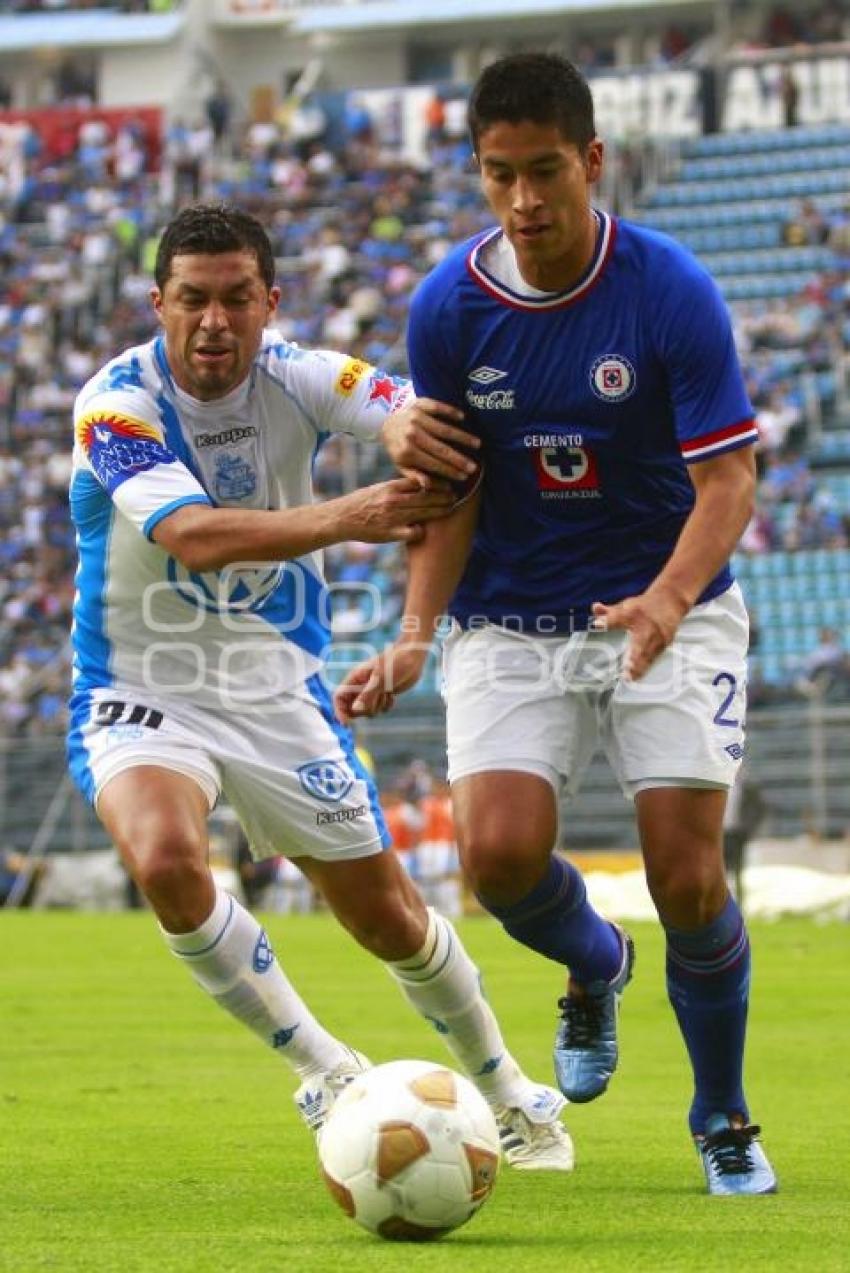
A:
{"points": [[231, 958], [444, 986]]}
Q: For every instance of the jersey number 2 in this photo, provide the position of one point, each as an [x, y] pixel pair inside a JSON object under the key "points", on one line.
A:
{"points": [[720, 717]]}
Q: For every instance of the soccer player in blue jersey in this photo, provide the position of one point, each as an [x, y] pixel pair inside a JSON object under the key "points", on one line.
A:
{"points": [[200, 629], [588, 582]]}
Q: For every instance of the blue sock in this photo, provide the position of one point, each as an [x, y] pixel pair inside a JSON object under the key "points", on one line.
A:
{"points": [[557, 921], [708, 982]]}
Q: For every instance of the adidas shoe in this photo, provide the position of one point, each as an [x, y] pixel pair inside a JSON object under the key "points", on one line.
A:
{"points": [[586, 1043], [532, 1136], [317, 1093], [733, 1160]]}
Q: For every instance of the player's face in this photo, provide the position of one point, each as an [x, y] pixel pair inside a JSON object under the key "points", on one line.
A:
{"points": [[213, 309], [538, 185]]}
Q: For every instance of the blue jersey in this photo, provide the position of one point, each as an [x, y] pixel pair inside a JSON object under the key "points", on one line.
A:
{"points": [[590, 404]]}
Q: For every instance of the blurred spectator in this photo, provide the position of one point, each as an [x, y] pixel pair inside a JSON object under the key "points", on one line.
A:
{"points": [[783, 29], [826, 667], [675, 42], [790, 93], [828, 24], [219, 112], [809, 226]]}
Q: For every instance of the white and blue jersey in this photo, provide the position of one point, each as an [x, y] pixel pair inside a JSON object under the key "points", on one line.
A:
{"points": [[230, 658], [590, 404]]}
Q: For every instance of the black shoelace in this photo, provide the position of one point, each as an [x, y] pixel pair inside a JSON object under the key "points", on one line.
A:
{"points": [[729, 1149], [583, 1015]]}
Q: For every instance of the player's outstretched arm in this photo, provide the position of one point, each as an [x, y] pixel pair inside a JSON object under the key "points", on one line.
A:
{"points": [[205, 538], [725, 492], [435, 565], [424, 439]]}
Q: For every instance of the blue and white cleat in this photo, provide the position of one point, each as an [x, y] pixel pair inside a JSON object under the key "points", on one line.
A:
{"points": [[586, 1043], [733, 1160], [316, 1095]]}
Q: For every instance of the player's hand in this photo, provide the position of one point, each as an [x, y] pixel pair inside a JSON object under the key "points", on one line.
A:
{"points": [[391, 510], [424, 440], [651, 620], [370, 688]]}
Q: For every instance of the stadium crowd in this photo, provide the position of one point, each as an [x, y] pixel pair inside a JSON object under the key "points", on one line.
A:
{"points": [[354, 228]]}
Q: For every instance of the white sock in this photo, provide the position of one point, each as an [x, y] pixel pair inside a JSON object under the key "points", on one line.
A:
{"points": [[444, 986], [230, 957]]}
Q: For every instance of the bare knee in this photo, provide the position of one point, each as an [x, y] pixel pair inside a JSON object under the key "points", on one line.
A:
{"points": [[686, 895], [169, 864], [502, 873]]}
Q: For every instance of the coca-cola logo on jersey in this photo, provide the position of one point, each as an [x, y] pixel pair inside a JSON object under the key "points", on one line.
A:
{"points": [[495, 400]]}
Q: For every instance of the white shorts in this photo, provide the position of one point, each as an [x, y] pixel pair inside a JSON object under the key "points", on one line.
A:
{"points": [[290, 773], [545, 704]]}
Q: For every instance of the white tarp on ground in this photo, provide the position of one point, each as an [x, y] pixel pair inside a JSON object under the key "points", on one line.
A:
{"points": [[96, 881], [769, 893]]}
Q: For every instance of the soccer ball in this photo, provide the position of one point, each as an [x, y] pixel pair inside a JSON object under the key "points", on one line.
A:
{"points": [[410, 1150]]}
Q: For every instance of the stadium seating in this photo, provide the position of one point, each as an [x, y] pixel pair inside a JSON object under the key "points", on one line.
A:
{"points": [[731, 201]]}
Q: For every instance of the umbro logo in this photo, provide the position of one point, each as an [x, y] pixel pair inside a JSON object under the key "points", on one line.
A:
{"points": [[486, 375]]}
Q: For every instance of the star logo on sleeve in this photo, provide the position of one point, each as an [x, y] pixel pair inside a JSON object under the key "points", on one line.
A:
{"points": [[386, 389]]}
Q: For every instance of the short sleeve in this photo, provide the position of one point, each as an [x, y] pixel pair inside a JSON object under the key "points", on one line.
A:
{"points": [[339, 394], [712, 411], [121, 439], [433, 346]]}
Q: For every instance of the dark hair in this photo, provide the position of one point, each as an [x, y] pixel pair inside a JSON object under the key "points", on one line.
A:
{"points": [[542, 87], [213, 228]]}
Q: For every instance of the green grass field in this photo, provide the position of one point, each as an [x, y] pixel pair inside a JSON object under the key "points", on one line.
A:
{"points": [[141, 1129]]}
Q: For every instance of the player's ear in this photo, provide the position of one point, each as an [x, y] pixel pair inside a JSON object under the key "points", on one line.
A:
{"points": [[156, 300], [593, 159], [273, 300]]}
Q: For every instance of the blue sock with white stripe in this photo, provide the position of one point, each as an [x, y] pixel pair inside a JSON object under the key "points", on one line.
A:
{"points": [[557, 921], [231, 958], [708, 982], [444, 986]]}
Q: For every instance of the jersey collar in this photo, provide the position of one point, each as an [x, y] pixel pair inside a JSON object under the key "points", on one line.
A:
{"points": [[605, 237]]}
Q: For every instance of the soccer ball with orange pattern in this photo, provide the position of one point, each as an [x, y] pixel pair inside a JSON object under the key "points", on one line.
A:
{"points": [[410, 1150]]}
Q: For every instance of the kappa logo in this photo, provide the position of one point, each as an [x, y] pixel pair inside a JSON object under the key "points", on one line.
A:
{"points": [[326, 780], [612, 378], [486, 375], [237, 434], [263, 957]]}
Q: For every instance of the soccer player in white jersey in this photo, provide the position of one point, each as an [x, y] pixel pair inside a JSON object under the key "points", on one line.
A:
{"points": [[199, 634], [589, 585]]}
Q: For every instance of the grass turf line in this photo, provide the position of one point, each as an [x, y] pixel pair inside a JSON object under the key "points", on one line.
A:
{"points": [[142, 1130]]}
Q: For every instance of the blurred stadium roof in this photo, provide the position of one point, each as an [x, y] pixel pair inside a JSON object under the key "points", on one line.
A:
{"points": [[397, 13], [91, 29]]}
